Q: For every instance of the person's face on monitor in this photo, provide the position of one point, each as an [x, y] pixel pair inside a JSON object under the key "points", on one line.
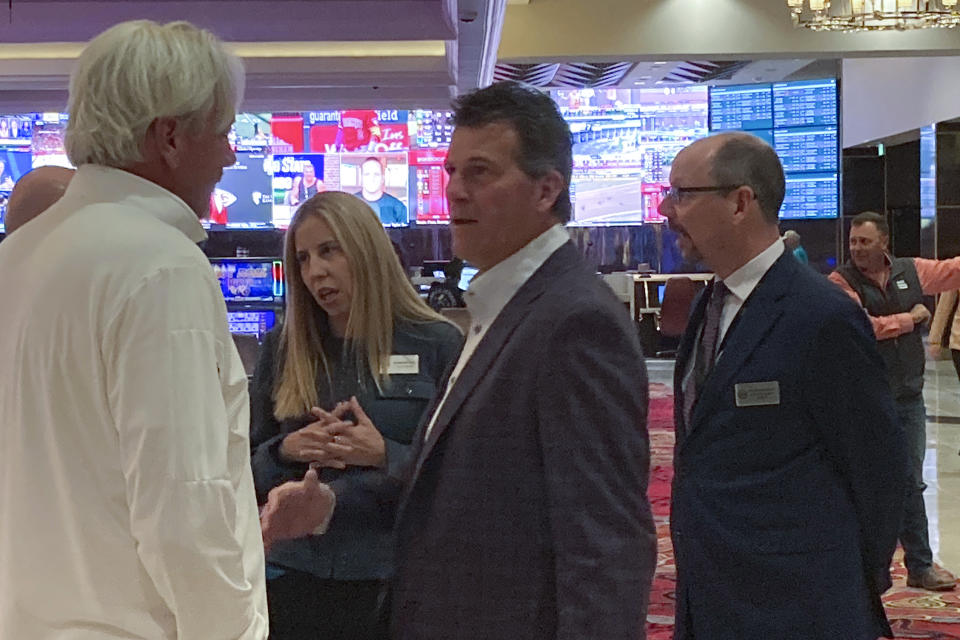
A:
{"points": [[202, 156], [371, 180], [324, 270], [309, 173], [868, 246], [495, 208]]}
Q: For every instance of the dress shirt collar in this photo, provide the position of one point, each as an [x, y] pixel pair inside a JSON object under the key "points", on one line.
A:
{"points": [[95, 184], [491, 290], [744, 280]]}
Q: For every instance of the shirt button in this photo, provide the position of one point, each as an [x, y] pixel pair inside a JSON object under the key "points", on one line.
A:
{"points": [[477, 328]]}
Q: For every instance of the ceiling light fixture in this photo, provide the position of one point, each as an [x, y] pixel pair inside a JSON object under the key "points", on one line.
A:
{"points": [[874, 15]]}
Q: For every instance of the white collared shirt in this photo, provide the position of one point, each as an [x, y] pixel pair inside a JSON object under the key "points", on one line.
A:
{"points": [[491, 290], [740, 284], [743, 281], [127, 506]]}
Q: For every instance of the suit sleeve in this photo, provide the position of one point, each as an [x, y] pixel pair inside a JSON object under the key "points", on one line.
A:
{"points": [[853, 408], [163, 386], [592, 409], [884, 327]]}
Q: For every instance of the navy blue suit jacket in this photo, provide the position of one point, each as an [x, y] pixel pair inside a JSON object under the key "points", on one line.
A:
{"points": [[527, 514], [785, 516]]}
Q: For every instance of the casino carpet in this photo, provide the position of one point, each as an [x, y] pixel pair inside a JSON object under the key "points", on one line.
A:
{"points": [[913, 613]]}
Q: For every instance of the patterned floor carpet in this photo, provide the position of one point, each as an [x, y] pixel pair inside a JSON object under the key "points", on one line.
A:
{"points": [[913, 613]]}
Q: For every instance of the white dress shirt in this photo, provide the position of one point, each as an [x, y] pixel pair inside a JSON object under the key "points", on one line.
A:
{"points": [[743, 281], [491, 290], [127, 507], [740, 284]]}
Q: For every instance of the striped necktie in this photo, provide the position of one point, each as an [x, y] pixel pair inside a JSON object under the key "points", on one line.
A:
{"points": [[706, 349]]}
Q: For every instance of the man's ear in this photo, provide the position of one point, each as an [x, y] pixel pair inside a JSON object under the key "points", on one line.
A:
{"points": [[550, 187], [744, 196], [163, 140]]}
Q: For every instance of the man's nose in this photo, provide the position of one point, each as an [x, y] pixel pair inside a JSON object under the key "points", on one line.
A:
{"points": [[665, 207], [455, 190]]}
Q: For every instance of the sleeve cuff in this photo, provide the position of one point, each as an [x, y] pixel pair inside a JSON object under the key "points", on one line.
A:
{"points": [[322, 528], [906, 323]]}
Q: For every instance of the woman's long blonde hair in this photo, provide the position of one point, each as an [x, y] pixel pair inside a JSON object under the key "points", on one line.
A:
{"points": [[381, 297]]}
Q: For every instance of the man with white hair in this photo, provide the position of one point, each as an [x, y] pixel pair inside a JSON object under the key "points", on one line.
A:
{"points": [[34, 193], [791, 240], [127, 505]]}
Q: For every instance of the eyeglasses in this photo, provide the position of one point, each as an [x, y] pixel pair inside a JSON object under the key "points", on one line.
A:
{"points": [[677, 193]]}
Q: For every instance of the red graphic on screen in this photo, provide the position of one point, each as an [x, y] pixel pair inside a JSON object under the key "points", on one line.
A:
{"points": [[288, 128], [393, 136], [431, 185], [359, 130], [652, 194], [218, 209]]}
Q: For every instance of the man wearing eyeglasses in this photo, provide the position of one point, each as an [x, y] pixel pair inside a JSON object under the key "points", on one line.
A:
{"points": [[789, 460]]}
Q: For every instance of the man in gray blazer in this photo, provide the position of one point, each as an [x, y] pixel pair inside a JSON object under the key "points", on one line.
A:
{"points": [[524, 512]]}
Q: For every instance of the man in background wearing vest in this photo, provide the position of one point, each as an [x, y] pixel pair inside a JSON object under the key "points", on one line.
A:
{"points": [[891, 291]]}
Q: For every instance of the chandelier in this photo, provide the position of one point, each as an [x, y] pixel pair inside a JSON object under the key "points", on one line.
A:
{"points": [[874, 15]]}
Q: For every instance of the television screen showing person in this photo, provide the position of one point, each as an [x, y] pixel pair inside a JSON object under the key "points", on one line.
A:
{"points": [[390, 209], [305, 185], [6, 178], [359, 130]]}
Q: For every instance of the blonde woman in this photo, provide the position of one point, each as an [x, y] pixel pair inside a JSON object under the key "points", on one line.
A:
{"points": [[342, 385]]}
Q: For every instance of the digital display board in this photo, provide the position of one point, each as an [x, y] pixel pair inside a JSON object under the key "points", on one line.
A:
{"points": [[432, 129], [624, 141], [800, 121], [807, 103], [428, 203], [811, 195], [380, 180], [249, 280], [741, 107], [807, 149], [244, 197], [252, 322]]}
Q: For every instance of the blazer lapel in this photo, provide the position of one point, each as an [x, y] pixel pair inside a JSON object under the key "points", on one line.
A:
{"points": [[494, 341], [758, 316], [684, 353]]}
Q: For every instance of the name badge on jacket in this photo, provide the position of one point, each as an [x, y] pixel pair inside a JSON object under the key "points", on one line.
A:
{"points": [[402, 365], [757, 394], [902, 284]]}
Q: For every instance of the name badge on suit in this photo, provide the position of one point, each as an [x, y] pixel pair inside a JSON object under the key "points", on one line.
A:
{"points": [[757, 394]]}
